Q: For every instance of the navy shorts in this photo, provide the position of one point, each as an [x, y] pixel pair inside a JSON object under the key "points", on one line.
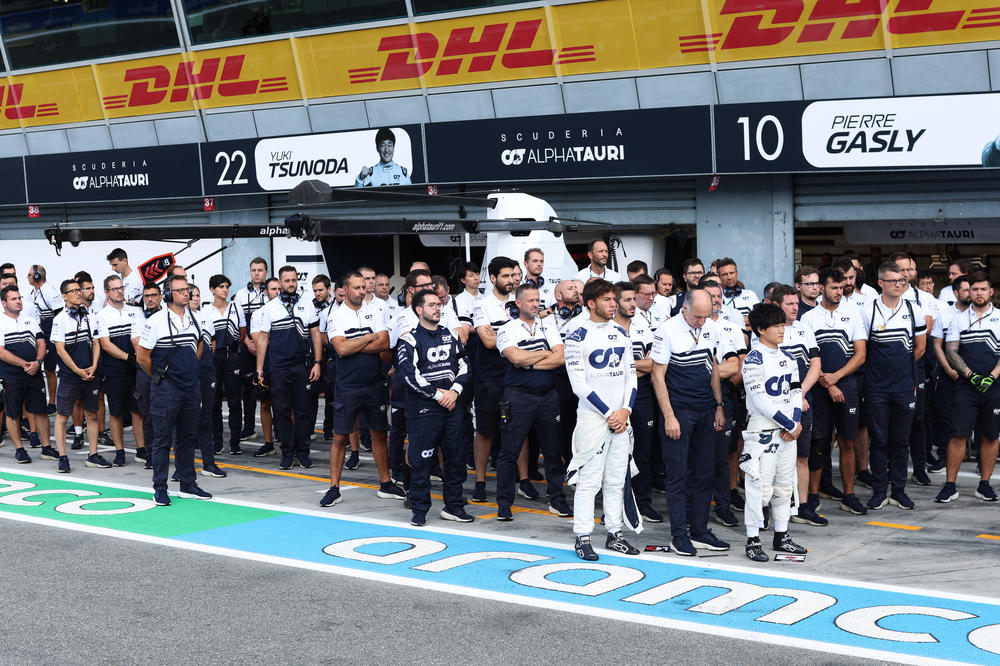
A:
{"points": [[120, 392], [486, 414], [70, 391], [27, 391], [972, 409], [827, 414], [368, 402], [804, 442]]}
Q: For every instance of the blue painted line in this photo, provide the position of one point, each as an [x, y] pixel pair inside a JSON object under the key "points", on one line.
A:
{"points": [[919, 626]]}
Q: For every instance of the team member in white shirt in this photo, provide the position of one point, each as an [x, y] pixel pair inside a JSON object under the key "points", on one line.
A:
{"points": [[945, 389], [131, 280], [534, 264], [47, 302], [733, 295], [22, 349], [597, 252], [250, 298], [601, 368]]}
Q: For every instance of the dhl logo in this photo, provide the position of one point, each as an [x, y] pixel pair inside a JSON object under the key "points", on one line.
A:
{"points": [[217, 76], [772, 22], [412, 55], [10, 96]]}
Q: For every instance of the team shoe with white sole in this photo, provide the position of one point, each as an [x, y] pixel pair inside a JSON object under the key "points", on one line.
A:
{"points": [[584, 549], [617, 543]]}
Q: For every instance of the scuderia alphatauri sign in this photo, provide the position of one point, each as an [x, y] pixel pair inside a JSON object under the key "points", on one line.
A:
{"points": [[937, 131], [583, 145]]}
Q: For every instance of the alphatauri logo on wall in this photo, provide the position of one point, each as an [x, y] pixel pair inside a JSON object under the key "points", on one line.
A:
{"points": [[563, 146], [110, 174]]}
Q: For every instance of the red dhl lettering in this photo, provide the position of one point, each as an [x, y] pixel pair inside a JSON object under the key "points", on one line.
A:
{"points": [[10, 96], [771, 22], [217, 76], [412, 55]]}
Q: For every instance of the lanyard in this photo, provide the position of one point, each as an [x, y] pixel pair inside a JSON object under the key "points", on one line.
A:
{"points": [[696, 338], [885, 320], [981, 317]]}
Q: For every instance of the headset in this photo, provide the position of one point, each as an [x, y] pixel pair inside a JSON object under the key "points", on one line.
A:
{"points": [[539, 284], [289, 299], [36, 273], [512, 309], [567, 313], [168, 296], [250, 286], [732, 292]]}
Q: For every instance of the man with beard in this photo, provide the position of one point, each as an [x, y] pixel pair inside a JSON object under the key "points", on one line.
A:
{"points": [[946, 382]]}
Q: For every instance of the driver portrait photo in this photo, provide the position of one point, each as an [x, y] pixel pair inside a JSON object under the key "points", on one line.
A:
{"points": [[385, 172]]}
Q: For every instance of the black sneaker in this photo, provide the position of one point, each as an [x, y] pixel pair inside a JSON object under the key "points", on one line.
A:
{"points": [[726, 517], [864, 478], [175, 477], [97, 460], [104, 439], [683, 546], [365, 439], [305, 461], [149, 463], [851, 504], [50, 410], [658, 485], [526, 489], [504, 514], [783, 543], [141, 454], [33, 441], [900, 499], [331, 497], [119, 458], [651, 515], [286, 461], [736, 502], [920, 478], [878, 500], [79, 439], [21, 457], [458, 515], [937, 466], [213, 470], [830, 491], [617, 543], [266, 450], [418, 519], [560, 508], [247, 433], [194, 491], [755, 552], [390, 490], [584, 549], [328, 435], [708, 541], [49, 453], [985, 492], [352, 462], [218, 448], [63, 465], [235, 450], [479, 493], [814, 502], [161, 498], [808, 516], [948, 493]]}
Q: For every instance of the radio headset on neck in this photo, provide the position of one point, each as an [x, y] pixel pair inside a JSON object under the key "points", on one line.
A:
{"points": [[567, 313]]}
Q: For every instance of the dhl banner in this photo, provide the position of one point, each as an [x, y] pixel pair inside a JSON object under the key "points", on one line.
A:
{"points": [[584, 38]]}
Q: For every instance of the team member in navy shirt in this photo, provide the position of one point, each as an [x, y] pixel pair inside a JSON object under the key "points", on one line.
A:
{"points": [[358, 335], [168, 352], [897, 338], [22, 351], [289, 329], [431, 360], [533, 351], [973, 349], [686, 381], [73, 334]]}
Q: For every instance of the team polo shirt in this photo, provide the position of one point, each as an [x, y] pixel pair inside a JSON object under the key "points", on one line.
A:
{"points": [[120, 327], [206, 362], [224, 325], [688, 354], [407, 320], [47, 301], [359, 369], [173, 343], [943, 323], [18, 335], [535, 336], [978, 338], [858, 299], [641, 336], [382, 307], [465, 303], [287, 326], [250, 299], [890, 366], [835, 333], [77, 333], [586, 273], [133, 287], [743, 301], [490, 366]]}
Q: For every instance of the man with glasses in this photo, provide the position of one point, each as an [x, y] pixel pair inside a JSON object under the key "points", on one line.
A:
{"points": [[692, 273], [897, 339], [808, 285], [73, 334]]}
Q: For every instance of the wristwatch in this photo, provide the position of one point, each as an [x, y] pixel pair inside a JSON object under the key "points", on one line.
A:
{"points": [[718, 404]]}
